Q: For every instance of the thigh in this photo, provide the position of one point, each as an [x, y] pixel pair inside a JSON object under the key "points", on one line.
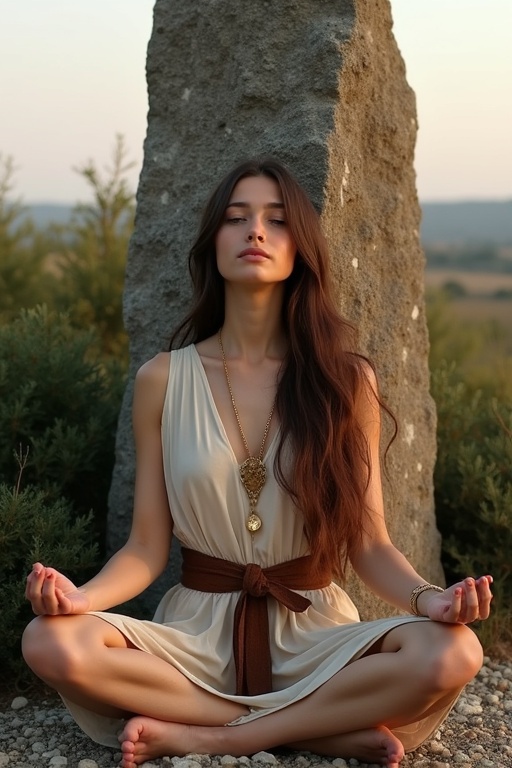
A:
{"points": [[82, 629], [423, 636]]}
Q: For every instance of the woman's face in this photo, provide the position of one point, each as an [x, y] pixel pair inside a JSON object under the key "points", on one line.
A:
{"points": [[254, 244]]}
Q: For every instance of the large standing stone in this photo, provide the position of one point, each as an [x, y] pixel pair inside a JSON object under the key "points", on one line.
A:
{"points": [[322, 86]]}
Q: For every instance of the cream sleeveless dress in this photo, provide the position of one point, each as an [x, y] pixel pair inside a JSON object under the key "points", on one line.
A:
{"points": [[192, 630]]}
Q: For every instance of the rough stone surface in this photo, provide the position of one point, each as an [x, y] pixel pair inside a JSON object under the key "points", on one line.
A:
{"points": [[322, 86]]}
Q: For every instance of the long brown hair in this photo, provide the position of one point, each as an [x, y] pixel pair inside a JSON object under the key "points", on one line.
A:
{"points": [[322, 375]]}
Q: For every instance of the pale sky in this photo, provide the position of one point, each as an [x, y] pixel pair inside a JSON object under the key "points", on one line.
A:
{"points": [[72, 76]]}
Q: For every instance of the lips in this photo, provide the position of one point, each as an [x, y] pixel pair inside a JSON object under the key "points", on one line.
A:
{"points": [[254, 252]]}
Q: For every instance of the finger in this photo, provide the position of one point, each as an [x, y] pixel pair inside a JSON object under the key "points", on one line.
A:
{"points": [[49, 597], [471, 610], [453, 612], [484, 596], [34, 586], [63, 602]]}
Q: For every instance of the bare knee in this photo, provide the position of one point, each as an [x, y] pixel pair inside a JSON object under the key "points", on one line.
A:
{"points": [[47, 649], [453, 658]]}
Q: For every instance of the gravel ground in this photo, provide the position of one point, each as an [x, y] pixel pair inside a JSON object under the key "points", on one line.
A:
{"points": [[477, 734]]}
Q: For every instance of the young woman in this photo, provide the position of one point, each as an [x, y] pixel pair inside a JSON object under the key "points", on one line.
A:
{"points": [[258, 447]]}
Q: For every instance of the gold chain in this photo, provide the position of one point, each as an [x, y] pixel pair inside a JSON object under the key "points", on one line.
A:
{"points": [[235, 409], [253, 473]]}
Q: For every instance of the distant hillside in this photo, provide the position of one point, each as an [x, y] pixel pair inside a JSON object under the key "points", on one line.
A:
{"points": [[474, 221], [43, 214]]}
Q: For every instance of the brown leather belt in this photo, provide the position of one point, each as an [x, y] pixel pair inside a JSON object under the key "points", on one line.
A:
{"points": [[251, 645]]}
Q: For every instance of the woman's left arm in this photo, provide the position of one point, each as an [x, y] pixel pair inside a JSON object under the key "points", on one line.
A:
{"points": [[381, 566]]}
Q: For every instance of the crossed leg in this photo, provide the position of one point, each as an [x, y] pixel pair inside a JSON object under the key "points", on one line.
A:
{"points": [[414, 670]]}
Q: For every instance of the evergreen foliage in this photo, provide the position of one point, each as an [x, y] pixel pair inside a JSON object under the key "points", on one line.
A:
{"points": [[78, 267], [92, 255], [473, 474], [59, 404], [35, 528], [23, 278]]}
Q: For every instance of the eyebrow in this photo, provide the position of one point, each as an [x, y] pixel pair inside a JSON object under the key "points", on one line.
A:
{"points": [[241, 204]]}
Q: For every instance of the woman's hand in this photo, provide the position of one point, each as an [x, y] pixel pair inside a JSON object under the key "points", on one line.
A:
{"points": [[462, 603], [51, 593]]}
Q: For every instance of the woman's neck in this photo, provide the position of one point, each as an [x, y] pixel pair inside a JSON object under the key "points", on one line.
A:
{"points": [[253, 328]]}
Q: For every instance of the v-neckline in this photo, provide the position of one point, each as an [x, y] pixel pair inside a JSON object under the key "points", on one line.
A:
{"points": [[216, 413]]}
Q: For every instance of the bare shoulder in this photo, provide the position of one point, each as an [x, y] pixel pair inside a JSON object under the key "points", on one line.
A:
{"points": [[155, 371], [151, 383], [369, 379], [367, 400]]}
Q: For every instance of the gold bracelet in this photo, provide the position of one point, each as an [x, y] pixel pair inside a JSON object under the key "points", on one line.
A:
{"points": [[417, 591]]}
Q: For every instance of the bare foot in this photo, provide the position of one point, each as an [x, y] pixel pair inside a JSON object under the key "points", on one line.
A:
{"points": [[373, 745], [144, 738]]}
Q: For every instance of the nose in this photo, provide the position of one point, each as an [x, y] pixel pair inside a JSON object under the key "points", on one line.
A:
{"points": [[254, 237], [256, 233]]}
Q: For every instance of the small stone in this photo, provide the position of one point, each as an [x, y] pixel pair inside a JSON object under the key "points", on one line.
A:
{"points": [[59, 761], [228, 760], [436, 747], [4, 760], [19, 702], [183, 762], [38, 747], [265, 757], [338, 763], [16, 722], [87, 764], [461, 757], [468, 709]]}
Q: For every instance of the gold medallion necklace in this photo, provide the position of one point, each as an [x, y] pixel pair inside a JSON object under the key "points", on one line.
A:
{"points": [[253, 472]]}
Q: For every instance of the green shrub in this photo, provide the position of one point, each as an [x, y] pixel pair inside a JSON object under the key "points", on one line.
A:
{"points": [[473, 473], [34, 528], [61, 405]]}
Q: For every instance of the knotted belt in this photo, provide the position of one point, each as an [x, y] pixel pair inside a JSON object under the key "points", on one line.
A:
{"points": [[251, 645]]}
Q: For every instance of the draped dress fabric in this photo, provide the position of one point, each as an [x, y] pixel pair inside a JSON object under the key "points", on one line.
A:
{"points": [[193, 630]]}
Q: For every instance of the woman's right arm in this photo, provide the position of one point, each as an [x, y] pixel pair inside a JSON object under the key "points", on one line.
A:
{"points": [[145, 555]]}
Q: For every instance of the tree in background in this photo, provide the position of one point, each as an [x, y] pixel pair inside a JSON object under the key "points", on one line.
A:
{"points": [[24, 280], [93, 254]]}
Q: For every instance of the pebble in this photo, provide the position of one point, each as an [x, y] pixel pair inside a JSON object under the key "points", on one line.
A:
{"points": [[265, 757], [19, 702], [477, 734]]}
